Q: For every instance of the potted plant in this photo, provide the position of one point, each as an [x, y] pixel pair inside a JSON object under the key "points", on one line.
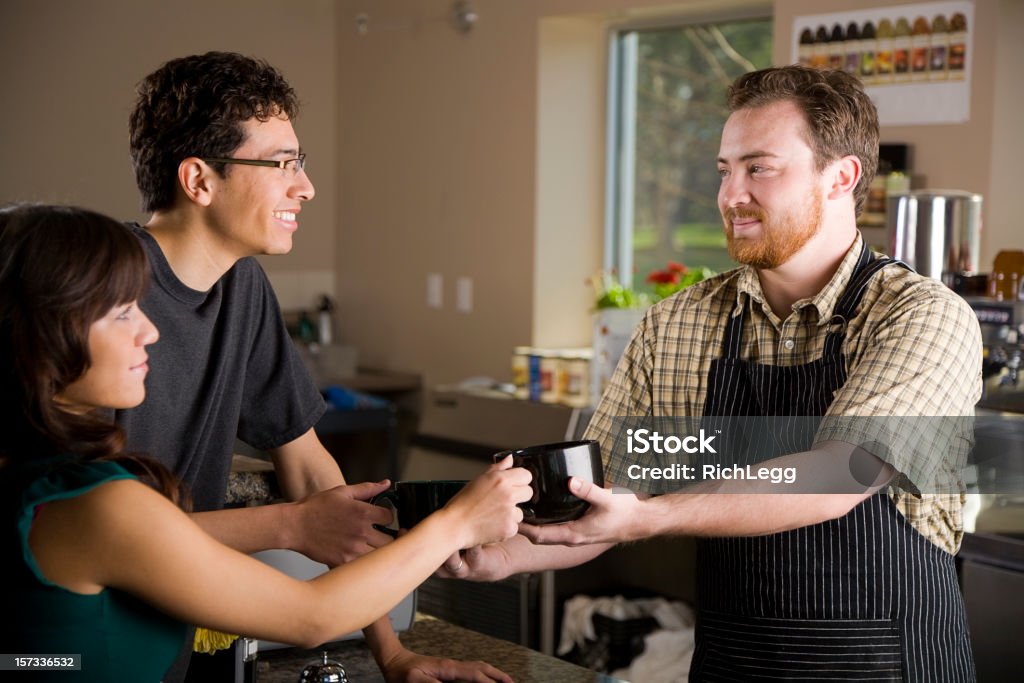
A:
{"points": [[619, 309]]}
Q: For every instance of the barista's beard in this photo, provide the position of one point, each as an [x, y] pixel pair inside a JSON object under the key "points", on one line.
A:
{"points": [[780, 237]]}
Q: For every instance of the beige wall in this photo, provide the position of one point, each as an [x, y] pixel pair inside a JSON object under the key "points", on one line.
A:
{"points": [[1003, 222], [538, 150], [480, 156], [436, 132], [570, 171], [69, 69], [475, 156]]}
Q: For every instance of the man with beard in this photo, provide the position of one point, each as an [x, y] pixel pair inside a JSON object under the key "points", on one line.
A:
{"points": [[850, 572]]}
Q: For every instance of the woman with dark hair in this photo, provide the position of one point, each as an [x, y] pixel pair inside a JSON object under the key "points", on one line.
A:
{"points": [[95, 556]]}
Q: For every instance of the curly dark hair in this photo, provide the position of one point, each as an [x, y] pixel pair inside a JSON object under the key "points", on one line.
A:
{"points": [[61, 269], [195, 106], [841, 118]]}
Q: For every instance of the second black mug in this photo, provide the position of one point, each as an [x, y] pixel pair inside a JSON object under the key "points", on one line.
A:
{"points": [[414, 501]]}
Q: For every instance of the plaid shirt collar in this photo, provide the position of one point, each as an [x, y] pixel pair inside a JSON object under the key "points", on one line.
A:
{"points": [[749, 285]]}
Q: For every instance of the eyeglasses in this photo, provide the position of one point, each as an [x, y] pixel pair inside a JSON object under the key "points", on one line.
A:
{"points": [[294, 165]]}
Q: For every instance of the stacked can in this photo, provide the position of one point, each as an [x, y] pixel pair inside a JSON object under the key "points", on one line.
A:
{"points": [[574, 377], [552, 375], [521, 371]]}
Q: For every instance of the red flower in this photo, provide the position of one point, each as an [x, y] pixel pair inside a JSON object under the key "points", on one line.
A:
{"points": [[667, 277], [676, 267]]}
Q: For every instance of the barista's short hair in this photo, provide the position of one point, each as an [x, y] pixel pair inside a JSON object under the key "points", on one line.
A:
{"points": [[195, 106], [841, 118]]}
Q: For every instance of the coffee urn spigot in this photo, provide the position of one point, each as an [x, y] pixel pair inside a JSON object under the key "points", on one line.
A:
{"points": [[1002, 335], [1012, 370]]}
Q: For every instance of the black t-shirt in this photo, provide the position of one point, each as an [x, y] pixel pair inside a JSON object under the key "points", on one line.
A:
{"points": [[224, 366]]}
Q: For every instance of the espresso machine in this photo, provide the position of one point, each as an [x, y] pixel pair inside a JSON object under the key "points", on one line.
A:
{"points": [[1002, 336], [937, 232]]}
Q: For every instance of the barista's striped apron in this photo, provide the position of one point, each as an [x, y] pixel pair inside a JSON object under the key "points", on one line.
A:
{"points": [[863, 597]]}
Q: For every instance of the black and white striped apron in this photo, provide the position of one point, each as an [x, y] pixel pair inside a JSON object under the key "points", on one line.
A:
{"points": [[863, 597]]}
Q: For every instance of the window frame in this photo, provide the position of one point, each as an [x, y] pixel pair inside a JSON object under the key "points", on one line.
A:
{"points": [[619, 142]]}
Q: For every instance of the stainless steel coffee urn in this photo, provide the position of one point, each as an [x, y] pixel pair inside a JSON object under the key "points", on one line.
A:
{"points": [[936, 232]]}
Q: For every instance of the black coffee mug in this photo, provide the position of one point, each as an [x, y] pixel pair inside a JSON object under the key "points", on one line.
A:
{"points": [[551, 466], [414, 501]]}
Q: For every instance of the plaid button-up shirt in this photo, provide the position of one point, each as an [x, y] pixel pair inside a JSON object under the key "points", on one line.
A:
{"points": [[912, 349]]}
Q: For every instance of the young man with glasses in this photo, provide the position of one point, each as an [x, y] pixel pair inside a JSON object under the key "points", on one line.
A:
{"points": [[220, 170]]}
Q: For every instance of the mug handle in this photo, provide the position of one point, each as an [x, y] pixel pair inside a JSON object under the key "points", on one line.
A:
{"points": [[390, 497], [528, 509]]}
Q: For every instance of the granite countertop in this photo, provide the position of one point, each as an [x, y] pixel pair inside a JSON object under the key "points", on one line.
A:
{"points": [[251, 481], [430, 636]]}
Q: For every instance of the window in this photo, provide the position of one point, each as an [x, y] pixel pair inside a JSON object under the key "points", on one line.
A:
{"points": [[667, 108]]}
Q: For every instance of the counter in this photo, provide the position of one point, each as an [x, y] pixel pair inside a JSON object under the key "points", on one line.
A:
{"points": [[430, 636], [251, 482]]}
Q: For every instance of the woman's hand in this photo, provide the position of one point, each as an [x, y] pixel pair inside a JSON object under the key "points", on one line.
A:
{"points": [[486, 509]]}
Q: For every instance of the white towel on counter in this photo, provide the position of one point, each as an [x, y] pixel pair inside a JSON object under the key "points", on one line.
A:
{"points": [[578, 623], [665, 659]]}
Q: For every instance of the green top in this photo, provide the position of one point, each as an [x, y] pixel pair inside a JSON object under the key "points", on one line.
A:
{"points": [[118, 637]]}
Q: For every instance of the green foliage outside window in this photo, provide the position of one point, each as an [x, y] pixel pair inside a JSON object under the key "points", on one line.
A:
{"points": [[681, 77]]}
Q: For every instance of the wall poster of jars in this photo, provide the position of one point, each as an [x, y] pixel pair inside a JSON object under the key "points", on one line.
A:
{"points": [[915, 60]]}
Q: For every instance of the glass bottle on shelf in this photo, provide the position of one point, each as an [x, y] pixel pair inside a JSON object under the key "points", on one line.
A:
{"points": [[1007, 272]]}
